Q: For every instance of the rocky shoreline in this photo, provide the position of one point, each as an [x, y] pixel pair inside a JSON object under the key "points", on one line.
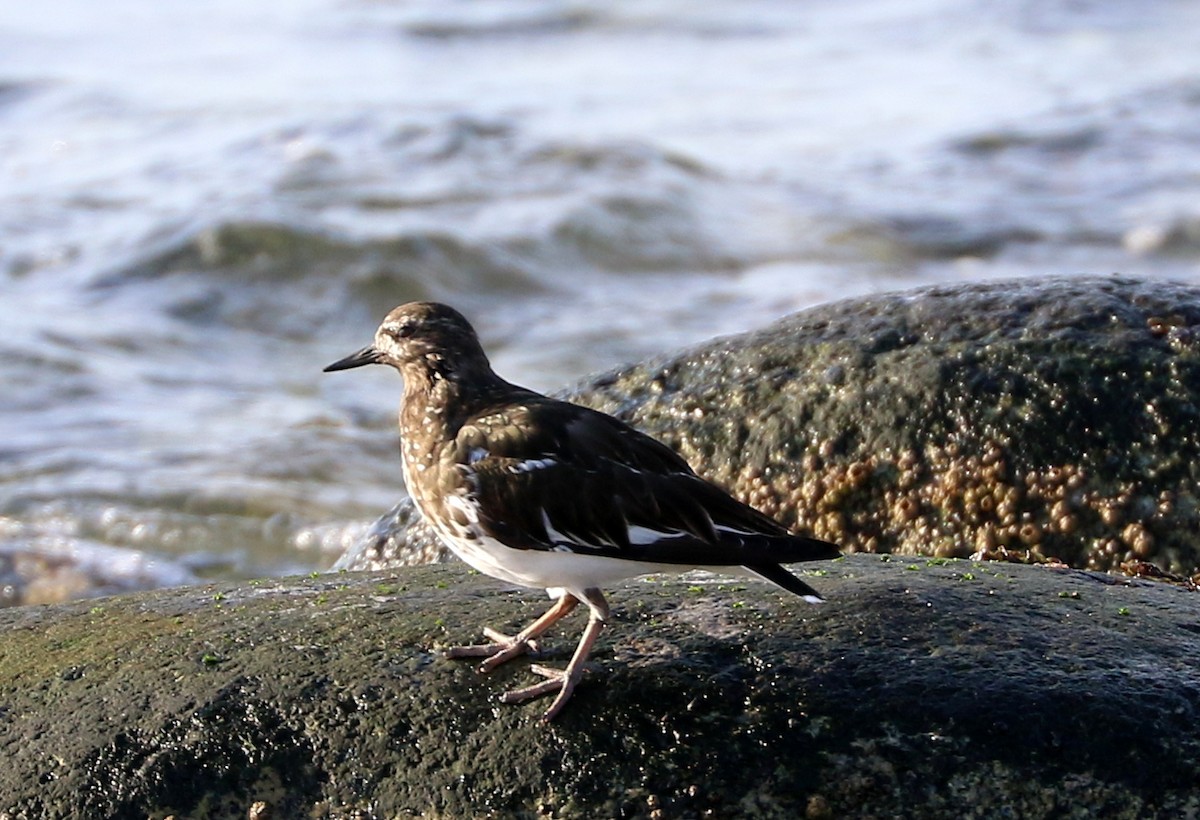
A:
{"points": [[1051, 420], [925, 687]]}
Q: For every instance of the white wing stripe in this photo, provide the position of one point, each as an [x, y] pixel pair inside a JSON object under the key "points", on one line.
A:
{"points": [[734, 530], [555, 536], [641, 536]]}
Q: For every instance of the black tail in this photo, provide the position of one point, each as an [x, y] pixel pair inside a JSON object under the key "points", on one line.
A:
{"points": [[778, 575], [792, 549]]}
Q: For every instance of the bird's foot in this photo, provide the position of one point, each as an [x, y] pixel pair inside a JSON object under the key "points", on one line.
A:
{"points": [[502, 648], [557, 680]]}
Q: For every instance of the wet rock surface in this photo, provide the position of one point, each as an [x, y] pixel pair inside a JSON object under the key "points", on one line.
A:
{"points": [[1057, 418], [925, 687]]}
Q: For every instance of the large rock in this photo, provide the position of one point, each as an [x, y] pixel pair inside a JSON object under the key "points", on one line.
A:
{"points": [[928, 688], [1044, 419]]}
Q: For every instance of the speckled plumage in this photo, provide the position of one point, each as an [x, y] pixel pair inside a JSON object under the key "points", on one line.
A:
{"points": [[544, 493]]}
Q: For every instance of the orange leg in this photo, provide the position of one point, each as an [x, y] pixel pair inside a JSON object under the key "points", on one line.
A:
{"points": [[560, 680], [504, 648]]}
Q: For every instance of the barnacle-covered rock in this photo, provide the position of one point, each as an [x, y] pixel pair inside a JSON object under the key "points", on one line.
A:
{"points": [[1031, 419]]}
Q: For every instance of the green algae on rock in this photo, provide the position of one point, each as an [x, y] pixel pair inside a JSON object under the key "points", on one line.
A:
{"points": [[948, 687], [1055, 418]]}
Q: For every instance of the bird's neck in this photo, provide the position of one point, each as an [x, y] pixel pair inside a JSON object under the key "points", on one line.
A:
{"points": [[437, 400], [436, 405]]}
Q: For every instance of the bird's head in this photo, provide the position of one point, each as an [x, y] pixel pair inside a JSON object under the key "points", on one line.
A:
{"points": [[420, 338]]}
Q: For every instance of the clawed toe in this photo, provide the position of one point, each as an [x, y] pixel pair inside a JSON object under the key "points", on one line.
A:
{"points": [[562, 681], [502, 648], [554, 682]]}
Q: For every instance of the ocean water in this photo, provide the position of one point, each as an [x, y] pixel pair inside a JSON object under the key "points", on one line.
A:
{"points": [[201, 205]]}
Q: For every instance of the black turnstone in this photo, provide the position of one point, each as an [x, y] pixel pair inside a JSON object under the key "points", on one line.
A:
{"points": [[544, 493]]}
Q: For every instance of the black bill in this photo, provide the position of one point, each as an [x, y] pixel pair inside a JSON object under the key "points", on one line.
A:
{"points": [[368, 355]]}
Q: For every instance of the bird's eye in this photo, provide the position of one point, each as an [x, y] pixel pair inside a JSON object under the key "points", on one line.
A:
{"points": [[403, 332]]}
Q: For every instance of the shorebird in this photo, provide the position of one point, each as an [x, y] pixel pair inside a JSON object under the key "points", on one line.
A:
{"points": [[544, 493]]}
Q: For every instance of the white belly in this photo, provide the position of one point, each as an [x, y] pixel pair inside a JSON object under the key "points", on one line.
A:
{"points": [[549, 569], [554, 570]]}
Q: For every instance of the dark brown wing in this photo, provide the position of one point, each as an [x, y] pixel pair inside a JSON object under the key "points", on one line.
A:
{"points": [[555, 476]]}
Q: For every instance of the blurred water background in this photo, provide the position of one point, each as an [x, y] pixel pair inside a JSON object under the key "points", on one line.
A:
{"points": [[202, 204]]}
